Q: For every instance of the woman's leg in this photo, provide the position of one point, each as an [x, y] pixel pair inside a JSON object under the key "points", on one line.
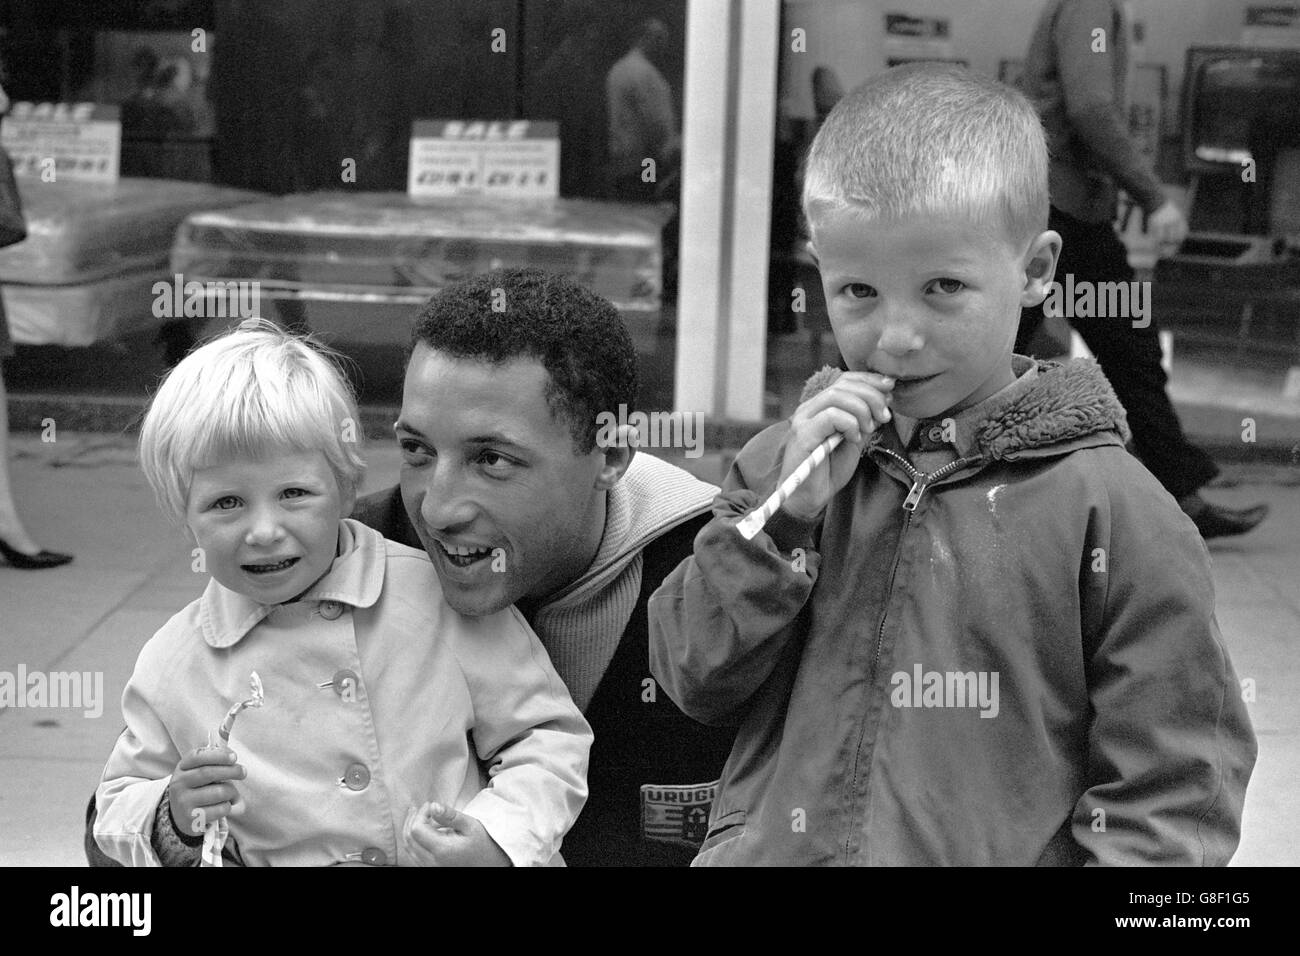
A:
{"points": [[12, 531]]}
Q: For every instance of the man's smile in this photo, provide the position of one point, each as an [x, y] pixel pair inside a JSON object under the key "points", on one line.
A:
{"points": [[463, 555]]}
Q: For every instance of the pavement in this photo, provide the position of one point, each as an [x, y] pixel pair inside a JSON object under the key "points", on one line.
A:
{"points": [[84, 493]]}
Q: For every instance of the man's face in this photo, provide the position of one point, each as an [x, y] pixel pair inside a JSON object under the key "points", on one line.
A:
{"points": [[654, 42], [503, 503], [933, 302]]}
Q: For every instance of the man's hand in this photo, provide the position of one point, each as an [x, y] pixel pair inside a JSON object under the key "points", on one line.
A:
{"points": [[1169, 227], [440, 836], [855, 404], [201, 789]]}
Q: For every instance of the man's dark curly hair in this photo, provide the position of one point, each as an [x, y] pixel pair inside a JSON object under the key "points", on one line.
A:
{"points": [[576, 335]]}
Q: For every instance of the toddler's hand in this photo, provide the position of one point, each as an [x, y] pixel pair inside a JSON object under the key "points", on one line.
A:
{"points": [[855, 404], [440, 836], [201, 791]]}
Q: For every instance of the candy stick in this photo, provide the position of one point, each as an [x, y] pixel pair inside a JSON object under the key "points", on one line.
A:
{"points": [[228, 724], [214, 836], [753, 522]]}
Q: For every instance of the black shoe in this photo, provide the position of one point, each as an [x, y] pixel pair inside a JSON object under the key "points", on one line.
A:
{"points": [[1216, 521], [32, 562]]}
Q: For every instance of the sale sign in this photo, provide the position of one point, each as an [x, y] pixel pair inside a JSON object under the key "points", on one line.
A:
{"points": [[510, 159], [64, 141]]}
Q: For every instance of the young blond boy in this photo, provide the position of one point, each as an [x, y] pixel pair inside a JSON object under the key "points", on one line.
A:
{"points": [[981, 633]]}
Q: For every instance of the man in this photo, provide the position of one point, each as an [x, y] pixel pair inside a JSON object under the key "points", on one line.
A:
{"points": [[643, 126], [642, 122], [503, 484], [1075, 73]]}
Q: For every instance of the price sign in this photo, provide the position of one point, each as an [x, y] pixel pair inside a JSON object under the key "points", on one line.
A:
{"points": [[64, 141], [510, 159], [909, 38]]}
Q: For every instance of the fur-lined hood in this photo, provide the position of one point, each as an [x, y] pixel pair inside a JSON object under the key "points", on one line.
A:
{"points": [[1066, 402]]}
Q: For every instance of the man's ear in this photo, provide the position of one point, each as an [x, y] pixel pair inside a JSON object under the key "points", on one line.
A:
{"points": [[812, 251], [1040, 267], [617, 455]]}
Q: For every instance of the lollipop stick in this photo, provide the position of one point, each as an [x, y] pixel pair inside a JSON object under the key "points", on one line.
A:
{"points": [[216, 834], [753, 522]]}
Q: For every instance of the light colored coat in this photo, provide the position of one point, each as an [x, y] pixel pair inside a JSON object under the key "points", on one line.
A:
{"points": [[465, 711]]}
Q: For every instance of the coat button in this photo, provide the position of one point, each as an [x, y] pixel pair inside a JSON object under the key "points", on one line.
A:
{"points": [[373, 856], [357, 777], [345, 684], [331, 610], [936, 435]]}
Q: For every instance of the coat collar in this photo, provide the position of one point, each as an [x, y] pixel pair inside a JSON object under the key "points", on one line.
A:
{"points": [[355, 578], [1049, 408]]}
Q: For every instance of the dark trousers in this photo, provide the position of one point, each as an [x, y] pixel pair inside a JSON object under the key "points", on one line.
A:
{"points": [[1130, 357]]}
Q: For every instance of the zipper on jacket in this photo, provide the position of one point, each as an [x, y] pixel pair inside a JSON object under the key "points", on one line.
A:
{"points": [[920, 482]]}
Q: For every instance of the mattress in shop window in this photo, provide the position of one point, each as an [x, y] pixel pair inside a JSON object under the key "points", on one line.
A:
{"points": [[357, 266], [93, 253]]}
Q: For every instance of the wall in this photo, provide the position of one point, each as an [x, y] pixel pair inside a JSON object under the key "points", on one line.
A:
{"points": [[848, 36]]}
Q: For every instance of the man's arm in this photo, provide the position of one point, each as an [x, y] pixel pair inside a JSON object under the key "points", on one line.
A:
{"points": [[530, 735], [1170, 748], [720, 620], [1088, 86]]}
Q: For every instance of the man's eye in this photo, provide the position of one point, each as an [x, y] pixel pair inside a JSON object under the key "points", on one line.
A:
{"points": [[859, 290], [495, 461], [948, 286], [413, 448]]}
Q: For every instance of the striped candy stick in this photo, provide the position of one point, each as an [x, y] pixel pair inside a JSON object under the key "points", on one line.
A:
{"points": [[753, 522], [216, 834]]}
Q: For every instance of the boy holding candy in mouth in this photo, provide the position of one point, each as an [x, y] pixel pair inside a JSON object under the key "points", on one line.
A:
{"points": [[980, 525]]}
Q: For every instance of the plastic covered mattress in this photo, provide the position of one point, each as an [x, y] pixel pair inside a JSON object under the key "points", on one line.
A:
{"points": [[80, 314], [359, 264], [78, 232], [93, 252]]}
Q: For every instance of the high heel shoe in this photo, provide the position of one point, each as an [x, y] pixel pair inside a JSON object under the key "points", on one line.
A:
{"points": [[1217, 521], [30, 562]]}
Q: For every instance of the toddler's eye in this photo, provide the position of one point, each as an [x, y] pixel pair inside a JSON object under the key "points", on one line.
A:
{"points": [[295, 492], [859, 290], [948, 286], [226, 503]]}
